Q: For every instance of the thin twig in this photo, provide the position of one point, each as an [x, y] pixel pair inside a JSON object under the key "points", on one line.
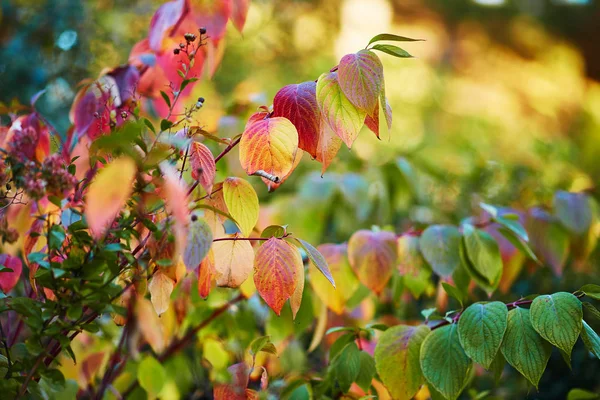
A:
{"points": [[228, 149]]}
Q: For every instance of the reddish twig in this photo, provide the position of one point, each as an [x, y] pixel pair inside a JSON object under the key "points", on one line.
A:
{"points": [[228, 149]]}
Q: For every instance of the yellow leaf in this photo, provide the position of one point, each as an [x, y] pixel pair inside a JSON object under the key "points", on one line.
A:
{"points": [[108, 193], [149, 324], [296, 299], [160, 288], [242, 203], [234, 260]]}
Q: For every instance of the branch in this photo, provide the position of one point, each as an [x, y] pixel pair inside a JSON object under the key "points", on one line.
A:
{"points": [[228, 149], [249, 238], [179, 344]]}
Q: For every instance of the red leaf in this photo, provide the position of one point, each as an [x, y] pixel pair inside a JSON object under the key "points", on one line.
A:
{"points": [[361, 77], [206, 274], [372, 256], [9, 280], [298, 103], [212, 15], [276, 267], [165, 17], [239, 13], [175, 195], [203, 165], [372, 121], [269, 145]]}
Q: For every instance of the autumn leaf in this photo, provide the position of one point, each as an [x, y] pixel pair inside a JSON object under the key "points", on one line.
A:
{"points": [[296, 299], [328, 146], [372, 121], [203, 165], [269, 145], [372, 256], [276, 267], [164, 18], [274, 185], [298, 103], [206, 274], [234, 260], [160, 288], [149, 325], [108, 193], [239, 12], [242, 203], [336, 257], [337, 111], [9, 279], [360, 77]]}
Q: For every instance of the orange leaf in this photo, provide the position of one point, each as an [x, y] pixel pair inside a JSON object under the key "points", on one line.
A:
{"points": [[328, 146], [108, 193], [234, 260], [276, 267], [203, 165], [372, 256], [269, 145], [274, 185], [206, 274], [149, 325], [296, 299], [160, 288], [90, 367], [242, 203]]}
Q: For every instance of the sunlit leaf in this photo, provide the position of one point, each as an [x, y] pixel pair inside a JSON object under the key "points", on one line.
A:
{"points": [[234, 260], [239, 12], [316, 259], [276, 266], [203, 165], [206, 274], [151, 375], [392, 38], [160, 288], [298, 103], [397, 359], [149, 324], [360, 76], [328, 146], [337, 111], [269, 145], [108, 193], [392, 50], [242, 203], [372, 256]]}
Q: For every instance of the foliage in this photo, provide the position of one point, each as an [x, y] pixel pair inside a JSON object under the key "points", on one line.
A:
{"points": [[137, 215]]}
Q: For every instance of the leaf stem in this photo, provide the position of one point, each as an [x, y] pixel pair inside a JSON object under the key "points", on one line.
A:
{"points": [[228, 149]]}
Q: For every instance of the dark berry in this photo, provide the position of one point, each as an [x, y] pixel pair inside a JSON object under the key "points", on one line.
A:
{"points": [[201, 99], [194, 218], [175, 51], [202, 30]]}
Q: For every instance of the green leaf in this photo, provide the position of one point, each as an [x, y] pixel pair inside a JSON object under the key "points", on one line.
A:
{"points": [[340, 329], [574, 211], [340, 343], [397, 359], [454, 292], [481, 329], [366, 372], [580, 394], [165, 124], [590, 290], [347, 366], [518, 243], [557, 318], [166, 99], [440, 245], [392, 50], [484, 254], [591, 309], [590, 339], [392, 38], [523, 348], [262, 343], [497, 367], [273, 231], [151, 375], [444, 363], [317, 259]]}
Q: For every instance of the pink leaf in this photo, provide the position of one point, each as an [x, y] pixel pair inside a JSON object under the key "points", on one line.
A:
{"points": [[203, 165], [165, 17], [361, 76], [239, 13], [9, 280]]}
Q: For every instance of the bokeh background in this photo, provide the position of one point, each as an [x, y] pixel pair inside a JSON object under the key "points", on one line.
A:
{"points": [[501, 103]]}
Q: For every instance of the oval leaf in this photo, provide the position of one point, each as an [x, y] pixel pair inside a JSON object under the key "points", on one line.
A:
{"points": [[234, 260], [397, 359], [360, 77], [160, 288], [269, 145], [481, 329], [411, 264], [203, 165], [444, 362], [242, 203], [440, 245], [317, 259], [9, 279], [276, 266], [523, 348], [108, 193], [372, 256], [484, 254], [557, 318], [199, 240], [337, 111], [574, 210], [298, 103]]}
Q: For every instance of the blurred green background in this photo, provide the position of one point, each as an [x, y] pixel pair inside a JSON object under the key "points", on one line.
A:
{"points": [[500, 104]]}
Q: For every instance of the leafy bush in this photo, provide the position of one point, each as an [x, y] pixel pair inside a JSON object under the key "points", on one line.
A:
{"points": [[114, 235]]}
